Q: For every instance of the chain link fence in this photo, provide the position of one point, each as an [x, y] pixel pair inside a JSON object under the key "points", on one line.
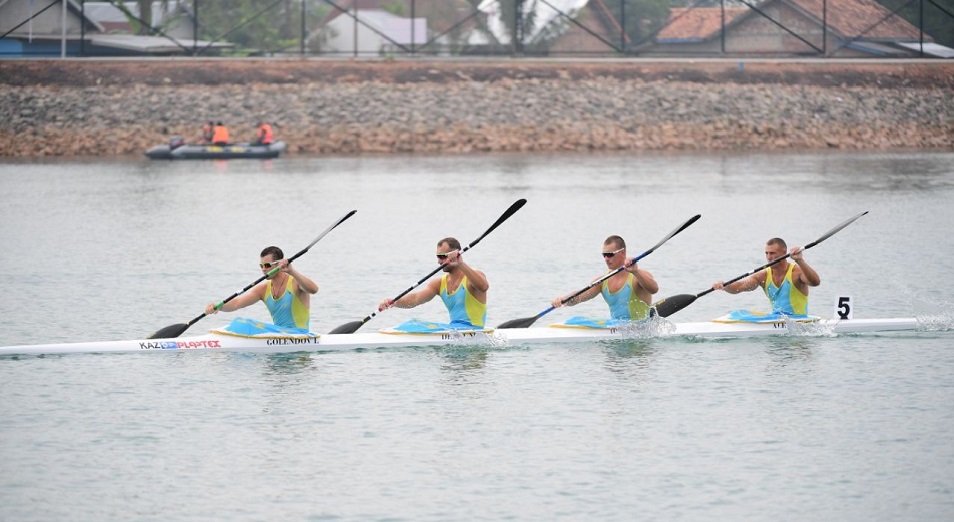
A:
{"points": [[454, 28]]}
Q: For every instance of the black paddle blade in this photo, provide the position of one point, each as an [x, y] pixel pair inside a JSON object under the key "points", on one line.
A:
{"points": [[519, 323], [673, 304], [347, 328], [170, 332]]}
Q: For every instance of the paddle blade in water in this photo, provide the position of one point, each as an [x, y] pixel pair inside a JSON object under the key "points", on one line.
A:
{"points": [[347, 328], [170, 332], [673, 304], [519, 323]]}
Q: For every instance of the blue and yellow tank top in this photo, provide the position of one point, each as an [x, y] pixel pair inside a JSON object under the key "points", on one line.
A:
{"points": [[786, 299], [625, 304], [464, 308], [287, 311]]}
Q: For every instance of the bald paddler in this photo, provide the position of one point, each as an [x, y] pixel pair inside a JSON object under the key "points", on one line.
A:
{"points": [[627, 293], [785, 284], [462, 288]]}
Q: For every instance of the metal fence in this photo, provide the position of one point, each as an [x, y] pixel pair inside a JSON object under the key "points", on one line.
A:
{"points": [[395, 28]]}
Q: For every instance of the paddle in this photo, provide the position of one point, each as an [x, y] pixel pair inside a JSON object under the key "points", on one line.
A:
{"points": [[352, 327], [176, 330], [673, 304], [527, 321]]}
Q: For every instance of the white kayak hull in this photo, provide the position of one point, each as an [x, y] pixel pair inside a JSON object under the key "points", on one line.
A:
{"points": [[500, 337]]}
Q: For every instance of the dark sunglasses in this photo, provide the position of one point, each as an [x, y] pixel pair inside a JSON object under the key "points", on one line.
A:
{"points": [[608, 255], [441, 257]]}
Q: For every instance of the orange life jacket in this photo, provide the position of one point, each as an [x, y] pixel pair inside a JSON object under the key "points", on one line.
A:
{"points": [[265, 134], [221, 134]]}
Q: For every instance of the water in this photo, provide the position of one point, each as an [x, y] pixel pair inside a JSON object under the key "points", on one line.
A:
{"points": [[804, 428]]}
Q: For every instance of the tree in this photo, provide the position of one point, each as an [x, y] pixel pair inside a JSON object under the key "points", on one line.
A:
{"points": [[141, 22], [257, 26]]}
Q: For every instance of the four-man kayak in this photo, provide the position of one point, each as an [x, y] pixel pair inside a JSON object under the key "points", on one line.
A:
{"points": [[490, 338]]}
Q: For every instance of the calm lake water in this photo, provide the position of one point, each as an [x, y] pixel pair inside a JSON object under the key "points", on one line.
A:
{"points": [[791, 428]]}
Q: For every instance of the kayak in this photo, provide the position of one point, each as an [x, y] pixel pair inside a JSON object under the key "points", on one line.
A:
{"points": [[202, 151], [501, 337]]}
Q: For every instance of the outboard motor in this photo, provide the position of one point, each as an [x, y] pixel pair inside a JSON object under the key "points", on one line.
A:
{"points": [[176, 142]]}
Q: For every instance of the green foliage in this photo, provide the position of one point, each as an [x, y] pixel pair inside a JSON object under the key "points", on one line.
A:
{"points": [[258, 26], [396, 8]]}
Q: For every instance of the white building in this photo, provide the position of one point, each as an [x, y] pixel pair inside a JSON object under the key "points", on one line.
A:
{"points": [[373, 31]]}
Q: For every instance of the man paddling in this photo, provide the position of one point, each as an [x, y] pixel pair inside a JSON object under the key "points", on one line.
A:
{"points": [[286, 293], [462, 288], [627, 293], [785, 284]]}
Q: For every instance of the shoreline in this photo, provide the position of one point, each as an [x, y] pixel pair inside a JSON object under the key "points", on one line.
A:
{"points": [[121, 107]]}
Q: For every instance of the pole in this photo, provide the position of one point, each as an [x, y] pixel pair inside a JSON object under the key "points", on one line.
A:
{"points": [[63, 33]]}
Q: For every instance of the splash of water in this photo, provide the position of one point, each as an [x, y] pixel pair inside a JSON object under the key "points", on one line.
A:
{"points": [[933, 315], [654, 327], [809, 329], [482, 339]]}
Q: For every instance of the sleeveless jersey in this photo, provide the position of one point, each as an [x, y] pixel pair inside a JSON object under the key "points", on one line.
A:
{"points": [[786, 299], [464, 308], [625, 304], [287, 311]]}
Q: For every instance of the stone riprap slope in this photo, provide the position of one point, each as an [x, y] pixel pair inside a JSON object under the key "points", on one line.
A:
{"points": [[52, 108]]}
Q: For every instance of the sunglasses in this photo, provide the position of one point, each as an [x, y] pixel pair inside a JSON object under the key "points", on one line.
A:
{"points": [[441, 257], [608, 255], [268, 265]]}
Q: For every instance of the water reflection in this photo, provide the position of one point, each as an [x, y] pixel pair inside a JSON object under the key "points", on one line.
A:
{"points": [[629, 358], [289, 363], [790, 353], [460, 360], [622, 349], [463, 371]]}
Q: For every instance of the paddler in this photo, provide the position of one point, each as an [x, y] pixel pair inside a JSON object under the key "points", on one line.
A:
{"points": [[627, 293], [462, 288], [785, 284], [286, 294]]}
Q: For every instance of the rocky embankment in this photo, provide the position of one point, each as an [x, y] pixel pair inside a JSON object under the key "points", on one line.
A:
{"points": [[53, 108]]}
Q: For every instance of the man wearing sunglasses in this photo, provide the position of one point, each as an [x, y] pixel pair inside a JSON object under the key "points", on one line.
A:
{"points": [[628, 293], [286, 293], [462, 288]]}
